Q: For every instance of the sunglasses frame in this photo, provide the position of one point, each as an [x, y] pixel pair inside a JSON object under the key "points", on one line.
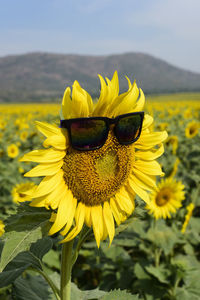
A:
{"points": [[108, 121]]}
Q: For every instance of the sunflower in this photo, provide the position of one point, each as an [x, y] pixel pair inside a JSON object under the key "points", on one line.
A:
{"points": [[2, 124], [12, 151], [23, 136], [166, 198], [97, 187], [18, 192], [2, 228], [192, 129], [163, 126], [190, 209]]}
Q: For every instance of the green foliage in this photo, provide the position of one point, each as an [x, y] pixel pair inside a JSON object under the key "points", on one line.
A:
{"points": [[77, 294], [117, 294], [148, 259], [30, 287], [23, 229]]}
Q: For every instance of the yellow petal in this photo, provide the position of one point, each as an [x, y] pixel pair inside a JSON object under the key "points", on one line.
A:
{"points": [[102, 104], [129, 83], [79, 217], [59, 142], [47, 185], [148, 140], [115, 84], [149, 167], [43, 169], [50, 155], [150, 180], [79, 101], [61, 219], [88, 219], [127, 103], [115, 211], [97, 222], [67, 104], [142, 184], [124, 201], [39, 202], [53, 198], [140, 103], [108, 218], [47, 129], [89, 102], [136, 189], [148, 120], [70, 213], [151, 154]]}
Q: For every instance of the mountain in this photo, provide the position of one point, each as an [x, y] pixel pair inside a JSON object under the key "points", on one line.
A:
{"points": [[44, 76]]}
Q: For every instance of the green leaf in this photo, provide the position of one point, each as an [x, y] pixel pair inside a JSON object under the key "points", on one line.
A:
{"points": [[77, 294], [116, 254], [22, 230], [163, 237], [17, 266], [185, 293], [41, 247], [119, 295], [140, 272], [55, 277], [52, 259], [7, 277], [30, 288], [159, 273]]}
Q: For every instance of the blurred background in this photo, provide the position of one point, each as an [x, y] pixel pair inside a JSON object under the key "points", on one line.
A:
{"points": [[46, 45]]}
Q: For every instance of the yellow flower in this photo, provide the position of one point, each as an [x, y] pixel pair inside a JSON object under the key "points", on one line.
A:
{"points": [[172, 140], [12, 151], [187, 113], [19, 192], [166, 198], [95, 187], [2, 124], [163, 126], [2, 228], [190, 209], [21, 170], [23, 135], [192, 129]]}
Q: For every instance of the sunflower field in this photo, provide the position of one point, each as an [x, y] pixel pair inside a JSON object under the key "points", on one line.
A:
{"points": [[155, 253]]}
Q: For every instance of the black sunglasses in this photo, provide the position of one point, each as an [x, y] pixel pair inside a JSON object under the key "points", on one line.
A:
{"points": [[91, 133]]}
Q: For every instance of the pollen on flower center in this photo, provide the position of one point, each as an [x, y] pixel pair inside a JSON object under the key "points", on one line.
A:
{"points": [[106, 166], [163, 197], [95, 176]]}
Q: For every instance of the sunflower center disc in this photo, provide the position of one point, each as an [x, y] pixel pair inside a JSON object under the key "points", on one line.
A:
{"points": [[96, 176], [192, 130], [163, 197]]}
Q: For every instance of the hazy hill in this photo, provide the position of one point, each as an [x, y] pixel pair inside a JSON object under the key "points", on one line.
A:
{"points": [[44, 76]]}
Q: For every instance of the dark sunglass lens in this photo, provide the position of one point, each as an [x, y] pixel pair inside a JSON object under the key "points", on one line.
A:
{"points": [[88, 134], [128, 128]]}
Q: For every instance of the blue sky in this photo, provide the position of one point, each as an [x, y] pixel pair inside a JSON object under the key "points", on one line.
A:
{"points": [[167, 29]]}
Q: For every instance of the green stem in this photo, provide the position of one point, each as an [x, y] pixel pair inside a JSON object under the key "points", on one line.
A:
{"points": [[158, 253], [50, 282], [66, 268]]}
